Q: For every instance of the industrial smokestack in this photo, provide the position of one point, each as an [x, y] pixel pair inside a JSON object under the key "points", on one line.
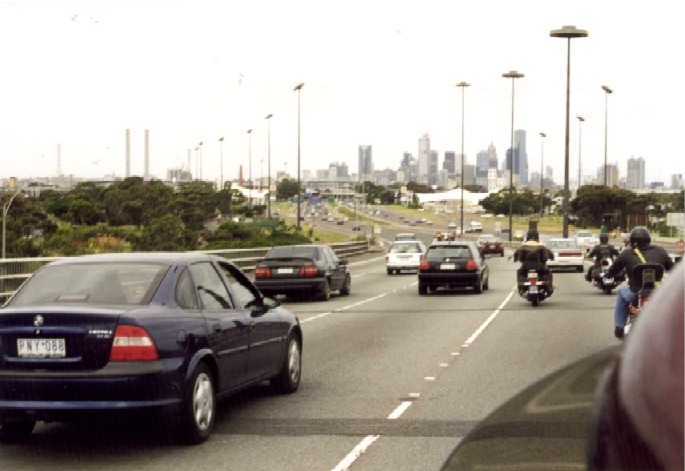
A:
{"points": [[147, 154], [128, 153]]}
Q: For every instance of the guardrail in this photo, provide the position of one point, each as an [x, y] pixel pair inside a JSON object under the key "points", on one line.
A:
{"points": [[14, 271]]}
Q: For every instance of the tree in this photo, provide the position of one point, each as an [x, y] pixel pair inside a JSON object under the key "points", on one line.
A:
{"points": [[475, 188], [286, 189]]}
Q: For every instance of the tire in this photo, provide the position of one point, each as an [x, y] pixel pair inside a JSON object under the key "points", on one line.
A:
{"points": [[423, 289], [389, 271], [325, 293], [16, 431], [501, 254], [288, 379], [478, 287], [347, 285], [486, 286], [535, 301], [198, 411], [607, 290]]}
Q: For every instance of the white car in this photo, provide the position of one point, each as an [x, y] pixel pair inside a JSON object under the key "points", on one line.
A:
{"points": [[567, 254], [586, 240], [404, 255]]}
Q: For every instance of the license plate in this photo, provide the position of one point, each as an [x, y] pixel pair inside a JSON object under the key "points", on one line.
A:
{"points": [[404, 257], [608, 280], [533, 289], [448, 266], [285, 271], [41, 348]]}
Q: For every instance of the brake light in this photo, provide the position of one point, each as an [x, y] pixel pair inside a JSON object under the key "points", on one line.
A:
{"points": [[132, 343], [308, 270], [471, 265], [533, 281], [262, 272], [386, 258], [424, 265]]}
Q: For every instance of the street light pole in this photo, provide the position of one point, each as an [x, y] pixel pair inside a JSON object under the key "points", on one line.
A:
{"points": [[463, 85], [297, 89], [249, 166], [5, 210], [567, 32], [268, 164], [580, 148], [513, 75], [607, 92], [200, 147], [542, 173], [221, 163]]}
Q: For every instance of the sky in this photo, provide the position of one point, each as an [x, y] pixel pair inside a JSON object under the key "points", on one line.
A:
{"points": [[379, 73]]}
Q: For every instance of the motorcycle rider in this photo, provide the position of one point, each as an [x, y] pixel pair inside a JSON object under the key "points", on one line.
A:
{"points": [[599, 251], [640, 251], [533, 256]]}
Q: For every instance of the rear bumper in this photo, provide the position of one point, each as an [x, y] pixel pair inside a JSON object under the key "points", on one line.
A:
{"points": [[271, 287], [451, 279]]}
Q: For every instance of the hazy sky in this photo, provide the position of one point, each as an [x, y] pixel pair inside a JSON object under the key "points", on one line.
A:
{"points": [[375, 72]]}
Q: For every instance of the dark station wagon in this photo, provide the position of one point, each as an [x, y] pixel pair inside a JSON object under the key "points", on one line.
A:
{"points": [[169, 333], [453, 264]]}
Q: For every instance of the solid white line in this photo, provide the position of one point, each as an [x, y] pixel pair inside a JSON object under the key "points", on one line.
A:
{"points": [[397, 413], [356, 452], [429, 378], [487, 322], [318, 316], [366, 261]]}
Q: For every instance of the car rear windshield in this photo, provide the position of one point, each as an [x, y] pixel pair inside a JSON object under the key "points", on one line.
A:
{"points": [[293, 252], [403, 247], [451, 251], [562, 244], [92, 283]]}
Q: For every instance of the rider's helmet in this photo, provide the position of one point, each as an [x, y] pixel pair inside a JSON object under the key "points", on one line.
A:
{"points": [[603, 239], [533, 235], [640, 237]]}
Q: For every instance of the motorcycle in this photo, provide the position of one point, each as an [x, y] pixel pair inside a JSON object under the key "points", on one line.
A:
{"points": [[603, 282], [650, 275], [533, 288]]}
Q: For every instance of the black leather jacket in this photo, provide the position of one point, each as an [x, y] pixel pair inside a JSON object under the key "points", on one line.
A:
{"points": [[601, 250], [628, 259]]}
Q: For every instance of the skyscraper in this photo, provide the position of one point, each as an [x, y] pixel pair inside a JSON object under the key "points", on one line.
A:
{"points": [[365, 169], [424, 152], [635, 174], [449, 163], [433, 167], [482, 168], [521, 157]]}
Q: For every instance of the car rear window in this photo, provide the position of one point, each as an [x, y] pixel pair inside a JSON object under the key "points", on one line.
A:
{"points": [[293, 252], [562, 244], [451, 251], [92, 283], [403, 247]]}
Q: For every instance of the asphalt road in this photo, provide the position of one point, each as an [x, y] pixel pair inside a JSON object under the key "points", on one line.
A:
{"points": [[391, 380]]}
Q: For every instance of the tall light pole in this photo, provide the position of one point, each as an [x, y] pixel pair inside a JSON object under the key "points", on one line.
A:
{"points": [[221, 163], [268, 164], [200, 147], [513, 75], [249, 166], [581, 120], [297, 89], [568, 32], [5, 210], [463, 85], [607, 92], [542, 173]]}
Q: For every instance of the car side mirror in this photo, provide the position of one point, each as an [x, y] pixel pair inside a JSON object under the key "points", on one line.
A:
{"points": [[342, 262]]}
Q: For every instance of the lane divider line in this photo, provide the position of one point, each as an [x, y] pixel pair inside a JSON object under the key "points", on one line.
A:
{"points": [[397, 413], [487, 322], [356, 452]]}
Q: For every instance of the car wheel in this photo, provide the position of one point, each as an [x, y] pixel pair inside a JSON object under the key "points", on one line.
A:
{"points": [[486, 286], [432, 289], [288, 379], [15, 431], [345, 290], [389, 271], [325, 293], [198, 410], [478, 287], [501, 254], [423, 289]]}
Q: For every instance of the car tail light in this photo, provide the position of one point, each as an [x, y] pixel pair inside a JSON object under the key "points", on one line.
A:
{"points": [[262, 272], [471, 265], [133, 343], [308, 270], [386, 258], [424, 265]]}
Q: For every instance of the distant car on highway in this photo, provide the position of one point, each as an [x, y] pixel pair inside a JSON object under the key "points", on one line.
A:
{"points": [[453, 264], [404, 255], [567, 254], [586, 240], [139, 333], [302, 270], [405, 236], [518, 235], [490, 244]]}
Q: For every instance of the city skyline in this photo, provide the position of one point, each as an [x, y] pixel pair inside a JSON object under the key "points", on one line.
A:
{"points": [[82, 88]]}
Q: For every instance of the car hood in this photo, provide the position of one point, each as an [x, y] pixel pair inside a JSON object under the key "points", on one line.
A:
{"points": [[544, 427]]}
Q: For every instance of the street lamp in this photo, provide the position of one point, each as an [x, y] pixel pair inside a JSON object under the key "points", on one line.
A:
{"points": [[580, 147], [567, 32], [513, 75], [200, 147], [607, 92], [249, 166], [542, 178], [5, 210], [463, 85], [268, 164], [297, 89], [221, 163]]}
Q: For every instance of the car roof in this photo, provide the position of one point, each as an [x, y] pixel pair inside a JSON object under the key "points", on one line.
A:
{"points": [[453, 243], [149, 257]]}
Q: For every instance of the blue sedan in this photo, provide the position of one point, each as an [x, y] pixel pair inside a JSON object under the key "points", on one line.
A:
{"points": [[170, 333]]}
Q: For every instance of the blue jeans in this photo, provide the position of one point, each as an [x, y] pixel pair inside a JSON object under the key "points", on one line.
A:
{"points": [[623, 299]]}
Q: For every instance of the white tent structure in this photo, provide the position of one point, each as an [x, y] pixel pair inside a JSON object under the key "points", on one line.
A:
{"points": [[452, 199]]}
